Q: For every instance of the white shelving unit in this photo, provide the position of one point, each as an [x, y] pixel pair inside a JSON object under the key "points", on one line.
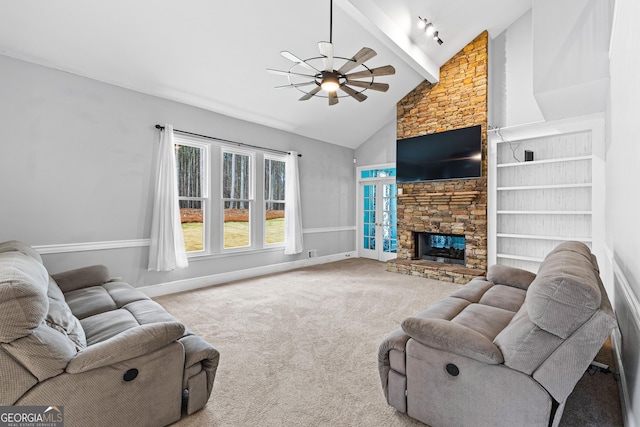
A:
{"points": [[535, 205]]}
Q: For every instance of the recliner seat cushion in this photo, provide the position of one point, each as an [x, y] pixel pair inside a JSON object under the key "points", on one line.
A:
{"points": [[102, 326], [504, 297], [94, 300]]}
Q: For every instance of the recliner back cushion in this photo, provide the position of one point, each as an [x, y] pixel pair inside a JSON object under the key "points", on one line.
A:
{"points": [[564, 294], [524, 345], [45, 352], [17, 246], [60, 317], [573, 246], [23, 295]]}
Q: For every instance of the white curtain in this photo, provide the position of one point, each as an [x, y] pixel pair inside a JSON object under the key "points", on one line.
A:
{"points": [[166, 251], [292, 210]]}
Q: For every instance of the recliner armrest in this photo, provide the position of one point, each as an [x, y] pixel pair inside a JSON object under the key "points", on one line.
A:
{"points": [[198, 351], [452, 337], [84, 277], [510, 276], [126, 345]]}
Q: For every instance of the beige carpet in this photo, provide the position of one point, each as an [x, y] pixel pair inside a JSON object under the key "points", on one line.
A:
{"points": [[300, 348]]}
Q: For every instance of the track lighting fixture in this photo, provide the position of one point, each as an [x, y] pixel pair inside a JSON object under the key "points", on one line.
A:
{"points": [[429, 29]]}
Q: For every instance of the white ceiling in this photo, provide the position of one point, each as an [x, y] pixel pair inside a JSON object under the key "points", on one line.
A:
{"points": [[213, 54]]}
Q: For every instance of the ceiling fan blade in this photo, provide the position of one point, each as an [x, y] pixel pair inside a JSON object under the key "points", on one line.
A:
{"points": [[382, 87], [326, 50], [333, 98], [286, 73], [387, 70], [354, 93], [297, 84], [363, 55], [291, 57], [310, 94]]}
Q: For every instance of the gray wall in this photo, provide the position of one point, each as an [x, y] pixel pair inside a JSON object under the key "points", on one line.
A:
{"points": [[381, 147], [77, 163]]}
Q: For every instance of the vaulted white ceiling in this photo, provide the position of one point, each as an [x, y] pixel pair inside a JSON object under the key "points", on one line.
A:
{"points": [[214, 54]]}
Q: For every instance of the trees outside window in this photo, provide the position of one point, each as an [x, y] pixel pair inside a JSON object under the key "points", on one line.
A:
{"points": [[237, 198], [191, 161], [236, 182], [274, 174]]}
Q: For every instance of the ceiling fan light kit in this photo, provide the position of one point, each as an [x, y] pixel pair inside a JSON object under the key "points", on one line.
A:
{"points": [[327, 79]]}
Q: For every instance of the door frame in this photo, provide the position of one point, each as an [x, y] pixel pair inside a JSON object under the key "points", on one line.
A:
{"points": [[381, 256]]}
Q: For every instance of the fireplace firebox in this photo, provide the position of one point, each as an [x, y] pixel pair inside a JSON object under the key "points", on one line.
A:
{"points": [[445, 248]]}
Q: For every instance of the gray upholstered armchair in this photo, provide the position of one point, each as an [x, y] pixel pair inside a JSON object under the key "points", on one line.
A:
{"points": [[504, 350]]}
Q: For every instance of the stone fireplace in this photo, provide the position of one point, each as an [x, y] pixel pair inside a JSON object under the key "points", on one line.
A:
{"points": [[454, 207]]}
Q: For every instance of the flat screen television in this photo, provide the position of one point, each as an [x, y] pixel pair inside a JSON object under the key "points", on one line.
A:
{"points": [[452, 154]]}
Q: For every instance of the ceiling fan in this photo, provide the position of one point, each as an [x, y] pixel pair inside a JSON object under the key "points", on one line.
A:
{"points": [[325, 77]]}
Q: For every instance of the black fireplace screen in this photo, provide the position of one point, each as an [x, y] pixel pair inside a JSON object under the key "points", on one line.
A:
{"points": [[447, 248]]}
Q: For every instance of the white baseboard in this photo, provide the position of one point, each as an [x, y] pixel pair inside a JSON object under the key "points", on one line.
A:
{"points": [[217, 279]]}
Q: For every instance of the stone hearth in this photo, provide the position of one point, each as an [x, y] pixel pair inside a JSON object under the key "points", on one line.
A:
{"points": [[434, 270]]}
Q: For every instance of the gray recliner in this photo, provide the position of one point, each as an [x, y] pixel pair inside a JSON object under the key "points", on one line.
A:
{"points": [[504, 350], [98, 347]]}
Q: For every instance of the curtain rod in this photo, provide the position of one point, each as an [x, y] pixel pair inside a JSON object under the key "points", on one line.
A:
{"points": [[226, 140]]}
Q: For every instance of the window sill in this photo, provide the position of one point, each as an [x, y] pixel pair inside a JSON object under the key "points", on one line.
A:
{"points": [[198, 256]]}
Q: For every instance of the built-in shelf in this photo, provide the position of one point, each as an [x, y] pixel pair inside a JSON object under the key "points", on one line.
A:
{"points": [[544, 212], [545, 161], [535, 205], [520, 257], [544, 187], [540, 237]]}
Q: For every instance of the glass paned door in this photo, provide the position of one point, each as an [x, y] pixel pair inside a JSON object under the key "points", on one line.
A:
{"points": [[369, 217], [378, 232], [388, 223]]}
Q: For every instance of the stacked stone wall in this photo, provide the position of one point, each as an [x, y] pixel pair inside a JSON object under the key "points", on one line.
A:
{"points": [[458, 100]]}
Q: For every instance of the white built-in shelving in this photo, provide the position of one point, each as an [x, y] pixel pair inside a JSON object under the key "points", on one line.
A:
{"points": [[535, 205]]}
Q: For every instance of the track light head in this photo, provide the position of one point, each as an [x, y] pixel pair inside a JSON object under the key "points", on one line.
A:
{"points": [[430, 30]]}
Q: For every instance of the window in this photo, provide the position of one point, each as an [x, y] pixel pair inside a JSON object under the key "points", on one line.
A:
{"points": [[191, 161], [274, 173], [377, 173], [246, 218], [237, 198]]}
